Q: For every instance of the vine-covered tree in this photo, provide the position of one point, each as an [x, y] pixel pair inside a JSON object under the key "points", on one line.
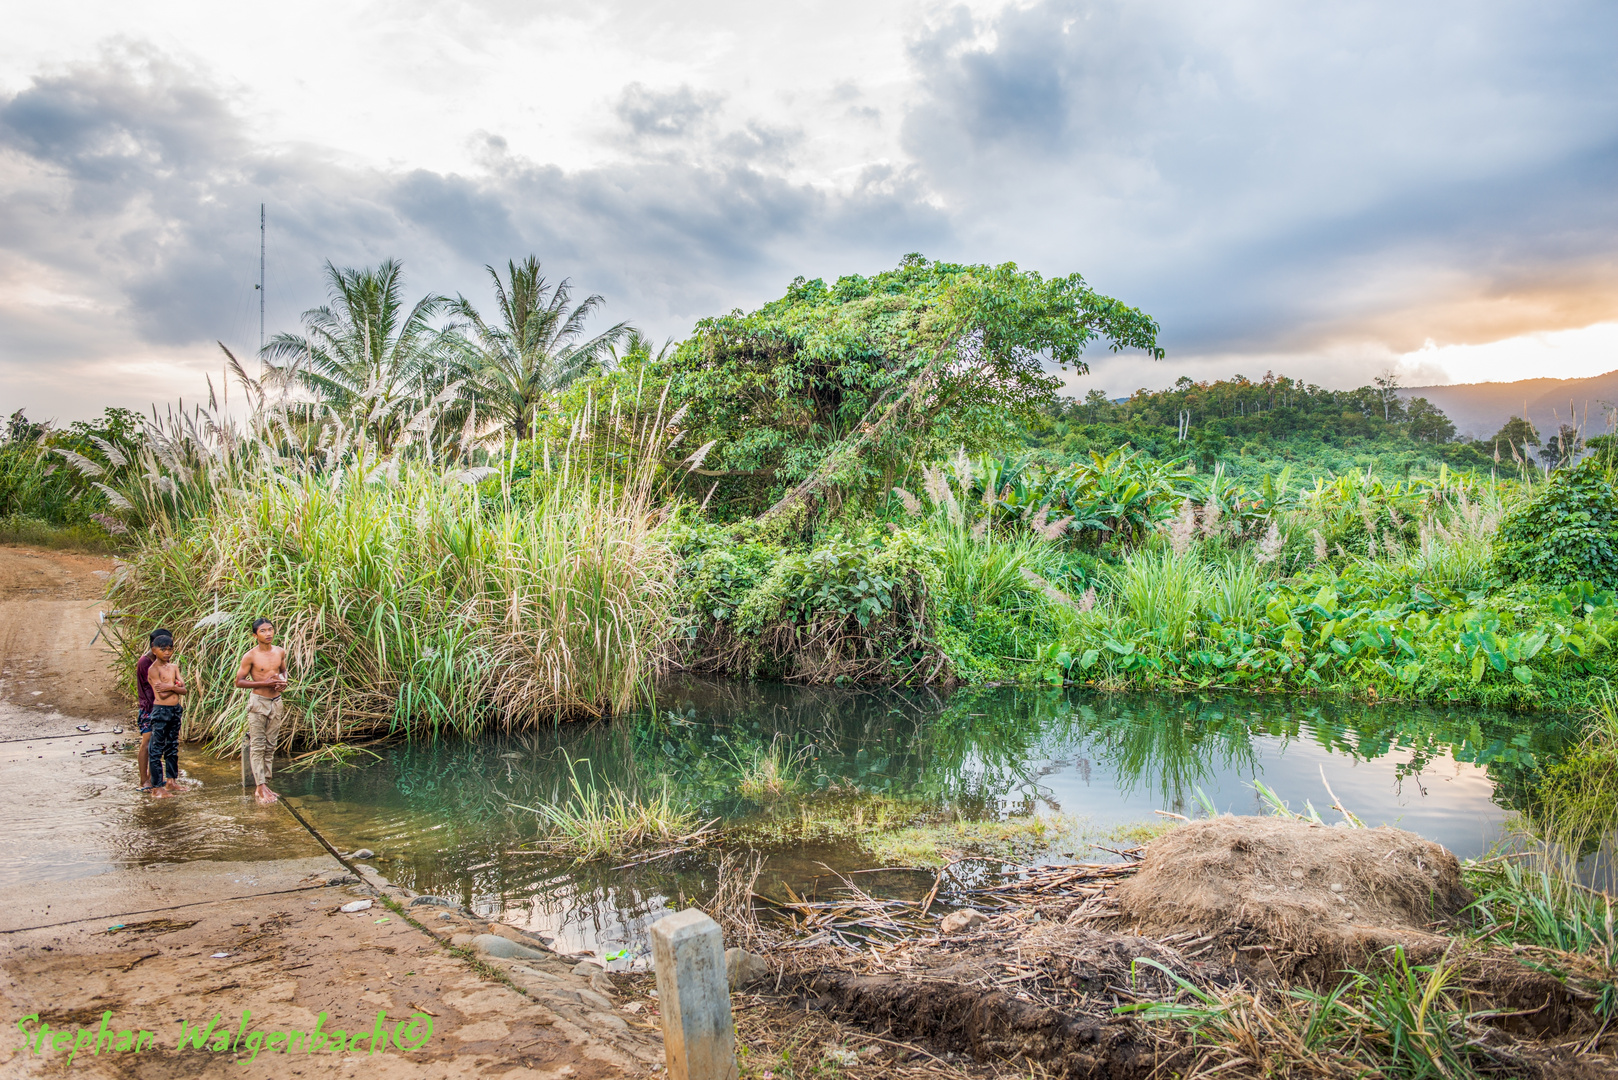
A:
{"points": [[846, 386]]}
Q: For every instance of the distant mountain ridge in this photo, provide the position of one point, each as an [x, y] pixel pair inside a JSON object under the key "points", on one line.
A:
{"points": [[1478, 410]]}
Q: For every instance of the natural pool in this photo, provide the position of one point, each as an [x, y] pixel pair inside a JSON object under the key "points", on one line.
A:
{"points": [[440, 815]]}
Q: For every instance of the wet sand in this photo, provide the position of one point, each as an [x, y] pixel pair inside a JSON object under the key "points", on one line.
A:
{"points": [[113, 902]]}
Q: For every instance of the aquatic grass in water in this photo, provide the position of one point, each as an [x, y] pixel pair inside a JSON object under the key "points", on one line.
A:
{"points": [[932, 845], [600, 820], [770, 772], [334, 755]]}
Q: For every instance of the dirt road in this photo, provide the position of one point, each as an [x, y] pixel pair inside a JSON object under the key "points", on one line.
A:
{"points": [[48, 606], [159, 915]]}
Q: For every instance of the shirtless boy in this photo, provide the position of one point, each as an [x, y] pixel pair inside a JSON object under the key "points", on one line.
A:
{"points": [[143, 696], [264, 672], [168, 687]]}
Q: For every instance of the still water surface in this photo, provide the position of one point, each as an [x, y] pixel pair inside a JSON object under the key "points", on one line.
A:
{"points": [[444, 816]]}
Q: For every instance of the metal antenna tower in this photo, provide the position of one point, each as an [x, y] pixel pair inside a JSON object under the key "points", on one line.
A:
{"points": [[260, 285]]}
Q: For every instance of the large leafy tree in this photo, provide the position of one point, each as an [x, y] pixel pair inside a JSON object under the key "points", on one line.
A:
{"points": [[535, 345], [1517, 435], [365, 355], [844, 386]]}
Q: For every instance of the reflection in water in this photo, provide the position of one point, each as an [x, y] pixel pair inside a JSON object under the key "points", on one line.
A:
{"points": [[443, 814]]}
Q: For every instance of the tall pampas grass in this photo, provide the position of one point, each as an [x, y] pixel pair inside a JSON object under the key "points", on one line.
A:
{"points": [[410, 599]]}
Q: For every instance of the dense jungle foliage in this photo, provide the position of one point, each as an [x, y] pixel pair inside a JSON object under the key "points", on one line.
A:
{"points": [[1257, 427], [874, 479]]}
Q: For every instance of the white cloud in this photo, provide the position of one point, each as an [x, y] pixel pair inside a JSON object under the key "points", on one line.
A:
{"points": [[1311, 190]]}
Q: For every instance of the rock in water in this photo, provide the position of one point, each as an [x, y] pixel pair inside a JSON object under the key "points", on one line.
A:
{"points": [[503, 948], [362, 853], [962, 922], [743, 968]]}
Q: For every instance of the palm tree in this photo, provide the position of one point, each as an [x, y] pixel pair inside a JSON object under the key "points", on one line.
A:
{"points": [[636, 346], [535, 347], [363, 355]]}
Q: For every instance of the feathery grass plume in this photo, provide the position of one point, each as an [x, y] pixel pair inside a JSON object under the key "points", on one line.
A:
{"points": [[1184, 529], [694, 462], [911, 504], [1320, 551], [1051, 530], [935, 485], [1087, 600], [1368, 515], [981, 529], [1269, 547], [110, 523], [1211, 512], [1391, 545], [963, 471]]}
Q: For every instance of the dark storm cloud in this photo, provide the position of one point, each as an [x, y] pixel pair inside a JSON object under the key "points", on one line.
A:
{"points": [[1256, 175]]}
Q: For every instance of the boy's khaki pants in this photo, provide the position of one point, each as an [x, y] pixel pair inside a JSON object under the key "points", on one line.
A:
{"points": [[263, 728]]}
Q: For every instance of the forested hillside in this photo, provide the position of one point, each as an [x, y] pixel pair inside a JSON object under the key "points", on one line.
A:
{"points": [[1259, 427]]}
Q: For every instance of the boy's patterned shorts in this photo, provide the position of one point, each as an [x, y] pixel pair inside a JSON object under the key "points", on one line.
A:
{"points": [[145, 722]]}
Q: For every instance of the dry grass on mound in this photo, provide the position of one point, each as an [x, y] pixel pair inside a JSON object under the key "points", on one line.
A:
{"points": [[1223, 949], [1314, 899]]}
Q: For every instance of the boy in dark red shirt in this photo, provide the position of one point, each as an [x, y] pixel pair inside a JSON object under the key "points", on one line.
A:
{"points": [[145, 698]]}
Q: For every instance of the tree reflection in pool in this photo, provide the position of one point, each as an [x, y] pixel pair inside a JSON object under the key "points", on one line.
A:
{"points": [[441, 813]]}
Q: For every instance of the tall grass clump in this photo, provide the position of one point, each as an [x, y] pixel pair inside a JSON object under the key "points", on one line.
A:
{"points": [[414, 599], [1159, 590], [770, 771], [1553, 898], [598, 820]]}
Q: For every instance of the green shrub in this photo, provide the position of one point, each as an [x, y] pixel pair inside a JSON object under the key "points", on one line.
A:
{"points": [[1568, 532], [848, 608]]}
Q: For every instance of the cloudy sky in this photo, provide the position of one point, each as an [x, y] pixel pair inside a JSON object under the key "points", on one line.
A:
{"points": [[1325, 190]]}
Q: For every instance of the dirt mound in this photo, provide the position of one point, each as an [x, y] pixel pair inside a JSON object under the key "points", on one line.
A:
{"points": [[1311, 898]]}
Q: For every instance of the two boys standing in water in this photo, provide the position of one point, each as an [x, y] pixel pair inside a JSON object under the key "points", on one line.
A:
{"points": [[160, 688]]}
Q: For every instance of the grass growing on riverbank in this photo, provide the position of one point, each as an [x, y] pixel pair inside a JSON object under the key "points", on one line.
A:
{"points": [[408, 601]]}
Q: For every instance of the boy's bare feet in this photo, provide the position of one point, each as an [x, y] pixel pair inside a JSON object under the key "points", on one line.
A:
{"points": [[264, 795]]}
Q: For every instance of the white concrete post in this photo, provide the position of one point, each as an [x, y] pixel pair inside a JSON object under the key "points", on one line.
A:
{"points": [[693, 995]]}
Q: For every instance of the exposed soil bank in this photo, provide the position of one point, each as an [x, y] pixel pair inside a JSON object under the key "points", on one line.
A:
{"points": [[1243, 909], [49, 603]]}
